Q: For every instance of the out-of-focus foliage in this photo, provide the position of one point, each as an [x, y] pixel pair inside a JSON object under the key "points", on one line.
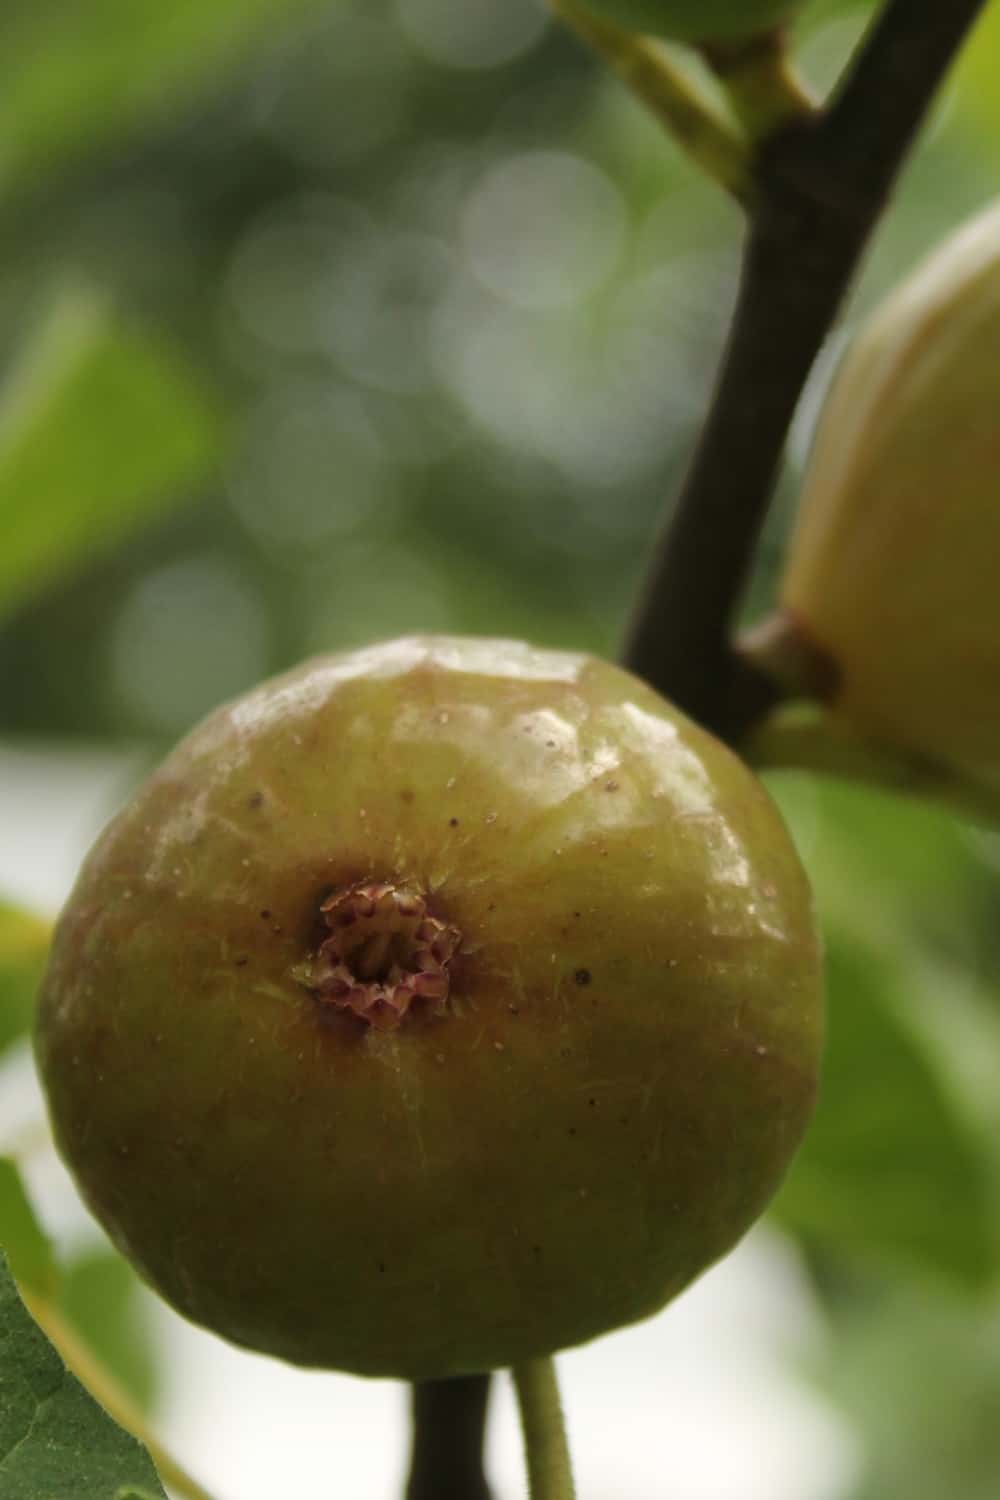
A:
{"points": [[918, 1373], [462, 304], [22, 1238], [74, 72], [24, 940], [891, 1169], [101, 1296], [54, 1438], [98, 427]]}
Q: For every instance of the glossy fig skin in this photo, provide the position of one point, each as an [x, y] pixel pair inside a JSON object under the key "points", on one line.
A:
{"points": [[627, 1062], [697, 20], [892, 566]]}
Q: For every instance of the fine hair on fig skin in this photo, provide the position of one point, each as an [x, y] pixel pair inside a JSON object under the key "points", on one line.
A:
{"points": [[458, 1079]]}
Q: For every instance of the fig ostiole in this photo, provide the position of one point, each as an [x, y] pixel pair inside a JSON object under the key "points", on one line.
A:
{"points": [[434, 1007]]}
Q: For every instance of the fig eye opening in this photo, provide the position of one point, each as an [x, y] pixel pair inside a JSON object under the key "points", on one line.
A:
{"points": [[386, 954]]}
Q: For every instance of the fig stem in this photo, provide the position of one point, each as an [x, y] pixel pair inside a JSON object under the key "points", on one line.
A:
{"points": [[449, 1423], [103, 1386], [806, 737], [761, 82], [550, 1475], [692, 117]]}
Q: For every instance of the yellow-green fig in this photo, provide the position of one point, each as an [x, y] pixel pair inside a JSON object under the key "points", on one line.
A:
{"points": [[697, 20], [892, 568], [435, 1006]]}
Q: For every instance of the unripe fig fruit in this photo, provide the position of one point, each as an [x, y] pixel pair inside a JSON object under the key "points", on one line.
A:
{"points": [[434, 1006], [696, 20], [892, 568]]}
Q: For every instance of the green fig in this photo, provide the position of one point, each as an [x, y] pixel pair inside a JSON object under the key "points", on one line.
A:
{"points": [[891, 569], [435, 1006], [697, 20]]}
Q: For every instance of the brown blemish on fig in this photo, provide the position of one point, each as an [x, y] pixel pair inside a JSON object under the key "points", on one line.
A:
{"points": [[583, 976], [382, 954]]}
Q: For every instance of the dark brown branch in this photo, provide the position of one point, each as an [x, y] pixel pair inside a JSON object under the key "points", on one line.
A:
{"points": [[822, 186], [449, 1423]]}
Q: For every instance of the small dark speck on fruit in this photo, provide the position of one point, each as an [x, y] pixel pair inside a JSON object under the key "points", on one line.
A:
{"points": [[242, 961], [452, 822], [551, 744], [381, 1266], [565, 1051], [515, 1010], [582, 976], [611, 786], [592, 1103], [406, 795], [572, 1130], [576, 914], [256, 799], [265, 915]]}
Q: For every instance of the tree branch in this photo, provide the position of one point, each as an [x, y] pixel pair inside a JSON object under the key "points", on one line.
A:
{"points": [[822, 185], [449, 1423]]}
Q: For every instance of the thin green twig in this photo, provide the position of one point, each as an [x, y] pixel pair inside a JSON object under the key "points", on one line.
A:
{"points": [[550, 1475], [694, 119], [762, 84], [808, 737]]}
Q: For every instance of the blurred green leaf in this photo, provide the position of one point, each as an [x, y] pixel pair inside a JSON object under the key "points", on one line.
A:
{"points": [[75, 71], [103, 1298], [975, 76], [100, 426], [891, 1169], [24, 941], [56, 1443], [918, 1375], [890, 868], [21, 1236]]}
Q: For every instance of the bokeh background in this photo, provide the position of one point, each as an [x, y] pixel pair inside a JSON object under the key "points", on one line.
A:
{"points": [[322, 322]]}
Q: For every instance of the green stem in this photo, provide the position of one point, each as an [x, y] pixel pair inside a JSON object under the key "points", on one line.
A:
{"points": [[550, 1476], [690, 115], [761, 83], [103, 1386], [802, 737]]}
